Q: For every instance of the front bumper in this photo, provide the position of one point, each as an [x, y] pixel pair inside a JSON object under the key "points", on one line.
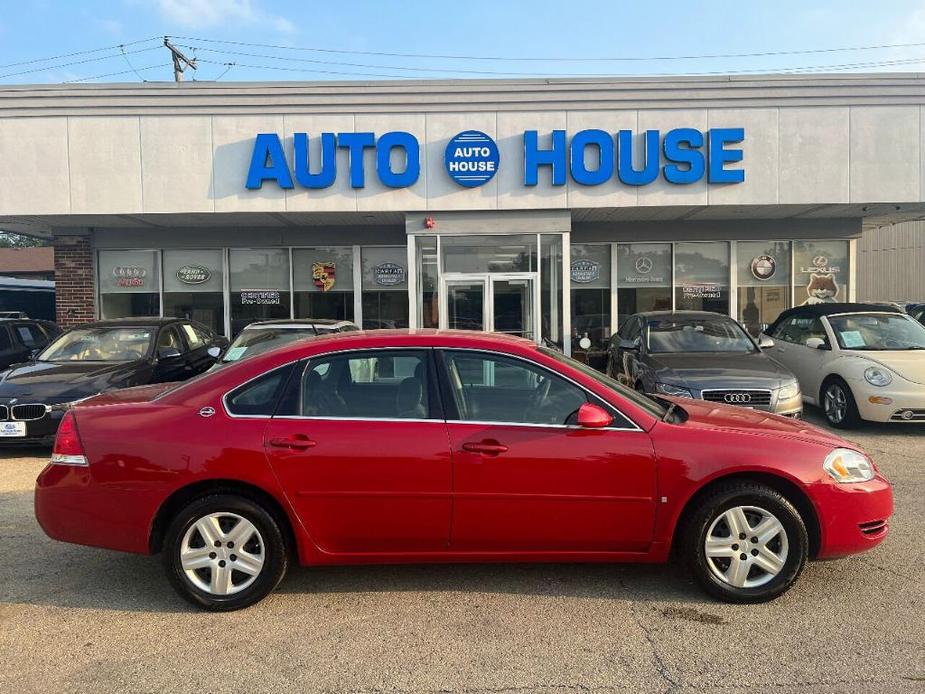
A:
{"points": [[888, 403], [38, 431], [852, 517]]}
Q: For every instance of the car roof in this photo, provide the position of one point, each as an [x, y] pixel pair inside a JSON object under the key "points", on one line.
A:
{"points": [[817, 310], [681, 314], [150, 321]]}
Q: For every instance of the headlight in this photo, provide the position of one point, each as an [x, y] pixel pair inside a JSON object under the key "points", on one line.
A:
{"points": [[791, 390], [877, 376], [845, 465], [668, 389]]}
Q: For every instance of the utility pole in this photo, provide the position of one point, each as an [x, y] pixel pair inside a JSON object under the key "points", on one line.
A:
{"points": [[180, 61]]}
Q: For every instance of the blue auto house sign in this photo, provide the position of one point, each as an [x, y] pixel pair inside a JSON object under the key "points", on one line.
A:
{"points": [[592, 157]]}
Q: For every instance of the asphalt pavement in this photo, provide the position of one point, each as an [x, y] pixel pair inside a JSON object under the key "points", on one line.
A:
{"points": [[77, 619]]}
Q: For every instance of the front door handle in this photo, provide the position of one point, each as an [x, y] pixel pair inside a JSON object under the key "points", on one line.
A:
{"points": [[487, 447], [298, 442]]}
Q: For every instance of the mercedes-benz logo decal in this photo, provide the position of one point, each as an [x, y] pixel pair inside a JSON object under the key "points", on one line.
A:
{"points": [[737, 398], [644, 265]]}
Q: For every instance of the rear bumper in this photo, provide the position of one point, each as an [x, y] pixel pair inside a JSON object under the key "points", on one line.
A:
{"points": [[71, 508], [852, 517]]}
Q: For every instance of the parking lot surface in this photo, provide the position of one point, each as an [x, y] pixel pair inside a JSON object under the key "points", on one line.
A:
{"points": [[77, 619]]}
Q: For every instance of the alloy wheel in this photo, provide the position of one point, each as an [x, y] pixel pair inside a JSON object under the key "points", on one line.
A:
{"points": [[746, 547], [835, 403], [222, 553]]}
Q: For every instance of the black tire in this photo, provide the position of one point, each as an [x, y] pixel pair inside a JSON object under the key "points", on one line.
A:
{"points": [[711, 508], [270, 541], [851, 417]]}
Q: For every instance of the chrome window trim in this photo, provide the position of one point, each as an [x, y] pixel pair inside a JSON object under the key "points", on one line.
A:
{"points": [[482, 350], [591, 393], [361, 419]]}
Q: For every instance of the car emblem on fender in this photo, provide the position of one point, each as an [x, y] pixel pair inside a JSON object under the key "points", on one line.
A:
{"points": [[737, 398], [206, 411]]}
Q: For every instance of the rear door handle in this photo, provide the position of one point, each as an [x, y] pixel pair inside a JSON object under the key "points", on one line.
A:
{"points": [[298, 442], [485, 447]]}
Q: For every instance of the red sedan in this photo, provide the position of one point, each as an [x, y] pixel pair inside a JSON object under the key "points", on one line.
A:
{"points": [[427, 446]]}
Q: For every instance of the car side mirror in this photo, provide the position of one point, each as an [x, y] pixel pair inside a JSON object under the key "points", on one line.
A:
{"points": [[34, 353], [167, 353], [591, 416], [765, 342], [815, 343], [214, 352], [629, 345]]}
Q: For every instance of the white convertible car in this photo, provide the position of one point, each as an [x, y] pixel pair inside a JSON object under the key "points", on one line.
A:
{"points": [[855, 361]]}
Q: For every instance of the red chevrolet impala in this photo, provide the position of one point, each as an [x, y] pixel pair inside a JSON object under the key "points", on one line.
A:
{"points": [[447, 447]]}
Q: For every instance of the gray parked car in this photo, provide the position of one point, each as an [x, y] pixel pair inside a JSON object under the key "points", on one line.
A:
{"points": [[697, 354]]}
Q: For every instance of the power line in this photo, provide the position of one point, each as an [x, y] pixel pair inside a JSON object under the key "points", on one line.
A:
{"points": [[71, 55], [228, 66], [129, 63], [298, 69], [554, 58], [113, 74], [76, 62]]}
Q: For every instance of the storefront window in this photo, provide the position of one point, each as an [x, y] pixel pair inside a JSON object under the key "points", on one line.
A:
{"points": [[702, 276], [385, 287], [489, 253], [590, 282], [764, 282], [551, 322], [193, 286], [259, 282], [643, 279], [129, 283], [820, 272], [322, 280], [428, 281]]}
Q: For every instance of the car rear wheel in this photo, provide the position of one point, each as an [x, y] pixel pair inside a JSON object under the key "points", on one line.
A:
{"points": [[224, 552], [746, 543], [838, 404]]}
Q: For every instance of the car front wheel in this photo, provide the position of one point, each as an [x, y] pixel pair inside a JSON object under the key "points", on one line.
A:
{"points": [[224, 552], [746, 543], [838, 405]]}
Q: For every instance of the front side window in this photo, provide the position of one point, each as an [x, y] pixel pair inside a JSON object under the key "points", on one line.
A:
{"points": [[170, 339], [670, 334], [493, 388], [194, 338], [100, 344], [878, 332], [388, 384]]}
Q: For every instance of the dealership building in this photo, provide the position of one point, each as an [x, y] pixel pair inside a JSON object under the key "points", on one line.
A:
{"points": [[550, 208]]}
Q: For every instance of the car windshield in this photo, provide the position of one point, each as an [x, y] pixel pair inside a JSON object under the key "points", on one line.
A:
{"points": [[100, 344], [653, 407], [253, 341], [676, 334], [878, 331]]}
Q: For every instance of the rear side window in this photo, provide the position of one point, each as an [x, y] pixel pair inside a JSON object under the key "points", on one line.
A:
{"points": [[30, 335], [259, 397], [4, 339], [193, 338]]}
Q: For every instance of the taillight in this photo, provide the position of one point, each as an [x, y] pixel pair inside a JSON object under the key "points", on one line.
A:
{"points": [[68, 450]]}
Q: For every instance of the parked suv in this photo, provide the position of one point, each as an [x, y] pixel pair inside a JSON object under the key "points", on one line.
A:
{"points": [[21, 338]]}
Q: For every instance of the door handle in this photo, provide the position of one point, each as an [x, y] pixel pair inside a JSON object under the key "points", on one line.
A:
{"points": [[298, 442], [485, 447]]}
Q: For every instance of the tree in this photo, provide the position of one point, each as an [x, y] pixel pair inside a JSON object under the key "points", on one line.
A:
{"points": [[11, 240]]}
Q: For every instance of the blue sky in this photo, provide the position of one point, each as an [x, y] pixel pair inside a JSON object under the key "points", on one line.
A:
{"points": [[513, 28]]}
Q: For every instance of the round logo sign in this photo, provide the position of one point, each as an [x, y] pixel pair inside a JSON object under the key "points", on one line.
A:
{"points": [[389, 274], [763, 267], [193, 274], [471, 158], [644, 265], [585, 271], [820, 261]]}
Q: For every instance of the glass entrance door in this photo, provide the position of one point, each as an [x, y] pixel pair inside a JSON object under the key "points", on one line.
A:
{"points": [[512, 306], [495, 302]]}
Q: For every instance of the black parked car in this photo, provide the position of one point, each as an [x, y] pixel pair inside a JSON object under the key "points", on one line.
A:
{"points": [[703, 355], [98, 357], [22, 338]]}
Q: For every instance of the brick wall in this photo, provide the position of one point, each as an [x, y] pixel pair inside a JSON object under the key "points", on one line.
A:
{"points": [[74, 281]]}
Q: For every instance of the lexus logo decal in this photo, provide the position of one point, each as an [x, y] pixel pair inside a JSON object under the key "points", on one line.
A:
{"points": [[737, 398]]}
